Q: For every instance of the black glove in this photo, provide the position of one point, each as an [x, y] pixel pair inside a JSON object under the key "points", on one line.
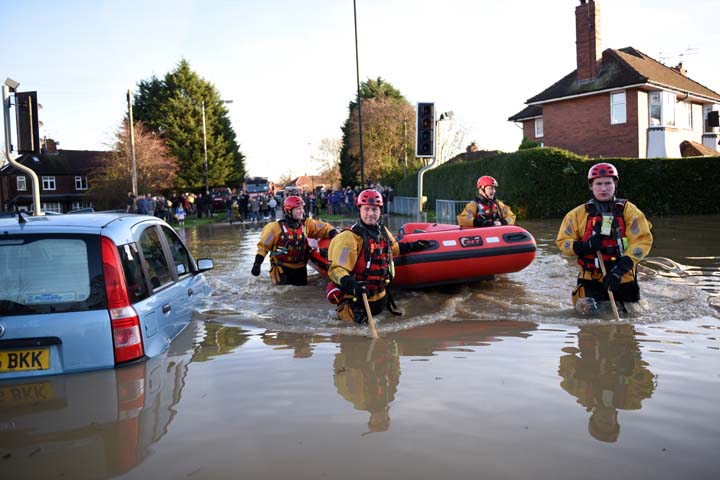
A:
{"points": [[351, 286], [592, 245], [612, 279], [483, 222], [333, 233], [407, 247], [256, 266]]}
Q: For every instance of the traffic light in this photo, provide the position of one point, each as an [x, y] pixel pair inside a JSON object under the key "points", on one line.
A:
{"points": [[425, 130], [28, 135]]}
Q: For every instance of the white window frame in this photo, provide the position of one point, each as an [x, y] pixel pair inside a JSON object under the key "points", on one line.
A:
{"points": [[81, 204], [21, 183], [668, 109], [81, 183], [48, 183], [655, 100], [618, 108], [51, 207], [539, 128], [706, 110]]}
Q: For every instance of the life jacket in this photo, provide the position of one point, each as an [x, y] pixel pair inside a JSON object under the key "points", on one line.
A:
{"points": [[612, 246], [374, 264], [487, 209], [292, 246]]}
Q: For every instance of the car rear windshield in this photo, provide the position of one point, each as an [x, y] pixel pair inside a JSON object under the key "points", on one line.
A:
{"points": [[48, 273]]}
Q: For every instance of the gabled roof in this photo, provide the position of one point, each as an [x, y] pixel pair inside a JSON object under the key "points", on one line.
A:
{"points": [[622, 68], [65, 162], [531, 111]]}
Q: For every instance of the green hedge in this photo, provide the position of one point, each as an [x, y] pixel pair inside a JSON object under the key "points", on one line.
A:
{"points": [[548, 182]]}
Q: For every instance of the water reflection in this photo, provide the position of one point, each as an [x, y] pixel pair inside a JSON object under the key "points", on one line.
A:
{"points": [[606, 373], [366, 372], [302, 344], [100, 424], [367, 375], [219, 339]]}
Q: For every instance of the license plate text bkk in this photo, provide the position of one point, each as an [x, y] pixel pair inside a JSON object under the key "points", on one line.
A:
{"points": [[19, 360]]}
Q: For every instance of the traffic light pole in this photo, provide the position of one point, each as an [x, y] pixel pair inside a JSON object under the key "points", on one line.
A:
{"points": [[29, 171]]}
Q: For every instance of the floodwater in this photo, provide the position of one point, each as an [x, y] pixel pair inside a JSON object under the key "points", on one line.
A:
{"points": [[497, 379]]}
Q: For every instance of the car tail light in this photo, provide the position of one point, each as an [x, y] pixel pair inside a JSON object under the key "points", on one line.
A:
{"points": [[127, 338]]}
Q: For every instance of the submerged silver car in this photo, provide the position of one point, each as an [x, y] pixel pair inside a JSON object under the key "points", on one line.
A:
{"points": [[90, 291]]}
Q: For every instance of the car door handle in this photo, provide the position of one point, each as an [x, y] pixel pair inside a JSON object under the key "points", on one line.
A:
{"points": [[166, 308], [190, 292]]}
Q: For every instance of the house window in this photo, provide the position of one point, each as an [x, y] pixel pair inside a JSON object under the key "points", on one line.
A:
{"points": [[81, 183], [618, 113], [51, 207], [706, 116], [21, 183], [83, 204], [538, 127], [684, 115], [669, 109], [655, 109], [48, 183]]}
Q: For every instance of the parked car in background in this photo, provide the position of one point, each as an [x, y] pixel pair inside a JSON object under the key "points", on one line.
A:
{"points": [[92, 290], [219, 196]]}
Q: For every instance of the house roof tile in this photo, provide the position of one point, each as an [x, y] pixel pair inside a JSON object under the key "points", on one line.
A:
{"points": [[622, 68], [526, 113], [65, 162]]}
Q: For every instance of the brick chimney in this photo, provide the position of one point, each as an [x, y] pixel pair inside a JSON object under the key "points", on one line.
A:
{"points": [[50, 146], [680, 69], [587, 39]]}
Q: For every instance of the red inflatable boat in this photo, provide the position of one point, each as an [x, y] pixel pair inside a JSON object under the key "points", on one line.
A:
{"points": [[456, 255]]}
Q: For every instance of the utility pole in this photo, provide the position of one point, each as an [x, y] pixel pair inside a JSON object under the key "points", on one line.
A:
{"points": [[207, 187], [357, 73], [133, 164]]}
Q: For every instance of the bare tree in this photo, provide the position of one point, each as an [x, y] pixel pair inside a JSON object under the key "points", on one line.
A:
{"points": [[328, 156], [156, 168], [451, 138]]}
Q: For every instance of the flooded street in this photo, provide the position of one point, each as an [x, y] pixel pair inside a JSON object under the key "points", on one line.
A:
{"points": [[496, 379]]}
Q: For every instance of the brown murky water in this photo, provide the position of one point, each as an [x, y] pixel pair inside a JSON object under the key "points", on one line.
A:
{"points": [[498, 379]]}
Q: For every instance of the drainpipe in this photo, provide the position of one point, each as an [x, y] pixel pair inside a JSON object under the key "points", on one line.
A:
{"points": [[14, 163]]}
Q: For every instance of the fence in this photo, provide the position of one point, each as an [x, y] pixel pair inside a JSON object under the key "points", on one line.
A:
{"points": [[404, 206], [446, 211]]}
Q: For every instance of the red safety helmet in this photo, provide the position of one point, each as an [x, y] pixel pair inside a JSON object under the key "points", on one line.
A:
{"points": [[293, 201], [602, 170], [369, 197], [486, 181]]}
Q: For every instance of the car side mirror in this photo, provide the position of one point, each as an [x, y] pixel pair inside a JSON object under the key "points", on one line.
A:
{"points": [[204, 264]]}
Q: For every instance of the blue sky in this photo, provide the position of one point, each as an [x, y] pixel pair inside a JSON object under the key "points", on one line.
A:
{"points": [[289, 66]]}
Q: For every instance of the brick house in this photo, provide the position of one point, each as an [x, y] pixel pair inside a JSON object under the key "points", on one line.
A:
{"points": [[621, 103], [63, 176]]}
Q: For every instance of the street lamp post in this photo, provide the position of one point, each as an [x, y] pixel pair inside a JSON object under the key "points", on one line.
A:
{"points": [[202, 107]]}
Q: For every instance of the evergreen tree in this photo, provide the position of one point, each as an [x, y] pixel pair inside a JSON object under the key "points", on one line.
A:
{"points": [[172, 109]]}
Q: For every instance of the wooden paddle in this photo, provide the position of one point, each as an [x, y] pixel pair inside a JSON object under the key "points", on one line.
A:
{"points": [[610, 293], [371, 321]]}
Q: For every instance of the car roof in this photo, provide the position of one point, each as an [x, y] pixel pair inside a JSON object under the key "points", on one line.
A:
{"points": [[117, 226]]}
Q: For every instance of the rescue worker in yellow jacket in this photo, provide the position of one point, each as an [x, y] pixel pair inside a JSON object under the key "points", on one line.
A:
{"points": [[486, 210], [286, 242], [361, 261], [613, 227]]}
